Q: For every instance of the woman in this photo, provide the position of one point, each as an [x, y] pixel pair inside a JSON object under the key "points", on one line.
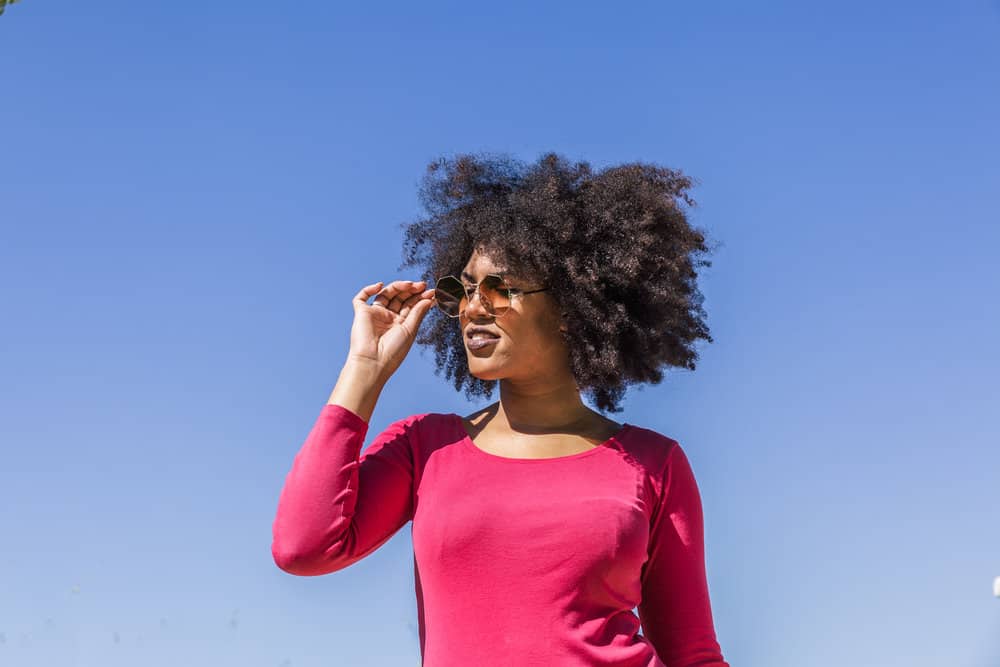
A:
{"points": [[539, 524]]}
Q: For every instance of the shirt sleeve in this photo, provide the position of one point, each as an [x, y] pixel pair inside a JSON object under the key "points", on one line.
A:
{"points": [[336, 508], [675, 612]]}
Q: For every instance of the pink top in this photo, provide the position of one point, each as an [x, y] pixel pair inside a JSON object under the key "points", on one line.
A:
{"points": [[516, 561]]}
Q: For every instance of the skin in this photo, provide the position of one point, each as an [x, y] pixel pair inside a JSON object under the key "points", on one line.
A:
{"points": [[540, 413]]}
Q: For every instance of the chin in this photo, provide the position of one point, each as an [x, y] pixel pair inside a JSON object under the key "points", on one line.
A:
{"points": [[486, 376], [485, 372]]}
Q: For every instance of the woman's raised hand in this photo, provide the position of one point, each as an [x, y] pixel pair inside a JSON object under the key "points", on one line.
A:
{"points": [[383, 332]]}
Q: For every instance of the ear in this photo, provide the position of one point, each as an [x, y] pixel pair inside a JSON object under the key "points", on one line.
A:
{"points": [[562, 319]]}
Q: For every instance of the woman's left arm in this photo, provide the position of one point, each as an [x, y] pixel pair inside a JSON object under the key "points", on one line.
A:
{"points": [[675, 611]]}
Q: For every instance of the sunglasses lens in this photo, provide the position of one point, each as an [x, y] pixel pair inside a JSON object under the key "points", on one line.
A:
{"points": [[449, 294], [451, 297], [496, 293]]}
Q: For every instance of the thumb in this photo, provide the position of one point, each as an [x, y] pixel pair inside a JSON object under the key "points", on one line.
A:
{"points": [[417, 313]]}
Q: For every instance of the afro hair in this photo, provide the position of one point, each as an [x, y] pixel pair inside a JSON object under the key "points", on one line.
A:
{"points": [[617, 243]]}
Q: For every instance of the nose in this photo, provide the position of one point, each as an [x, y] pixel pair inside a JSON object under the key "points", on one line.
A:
{"points": [[475, 309]]}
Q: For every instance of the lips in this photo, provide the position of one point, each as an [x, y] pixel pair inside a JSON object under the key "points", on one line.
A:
{"points": [[477, 337], [480, 343], [475, 331]]}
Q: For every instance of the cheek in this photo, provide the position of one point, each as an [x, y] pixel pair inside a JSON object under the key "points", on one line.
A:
{"points": [[547, 341]]}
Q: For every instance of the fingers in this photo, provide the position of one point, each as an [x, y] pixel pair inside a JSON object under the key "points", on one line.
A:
{"points": [[361, 298], [405, 306], [415, 315], [413, 300], [395, 294], [396, 303]]}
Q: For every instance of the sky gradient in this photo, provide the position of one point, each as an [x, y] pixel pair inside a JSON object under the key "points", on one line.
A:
{"points": [[192, 193]]}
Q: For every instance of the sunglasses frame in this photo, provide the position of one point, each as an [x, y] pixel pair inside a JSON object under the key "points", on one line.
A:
{"points": [[512, 292]]}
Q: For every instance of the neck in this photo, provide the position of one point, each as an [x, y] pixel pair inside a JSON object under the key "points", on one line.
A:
{"points": [[542, 405]]}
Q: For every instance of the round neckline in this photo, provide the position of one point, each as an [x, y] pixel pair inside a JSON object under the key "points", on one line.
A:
{"points": [[468, 442]]}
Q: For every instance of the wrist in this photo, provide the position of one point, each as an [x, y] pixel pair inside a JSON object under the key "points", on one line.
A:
{"points": [[364, 370], [358, 387]]}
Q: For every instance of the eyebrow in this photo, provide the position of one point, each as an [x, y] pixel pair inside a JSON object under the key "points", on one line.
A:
{"points": [[471, 278]]}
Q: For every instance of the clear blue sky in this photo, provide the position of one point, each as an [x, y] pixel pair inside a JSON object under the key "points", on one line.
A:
{"points": [[192, 192]]}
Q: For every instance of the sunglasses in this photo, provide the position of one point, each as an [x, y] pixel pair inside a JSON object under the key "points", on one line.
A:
{"points": [[452, 296]]}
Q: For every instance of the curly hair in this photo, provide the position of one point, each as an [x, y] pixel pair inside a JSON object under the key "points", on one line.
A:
{"points": [[616, 244]]}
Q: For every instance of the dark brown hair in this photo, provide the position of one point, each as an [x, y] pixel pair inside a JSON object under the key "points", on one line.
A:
{"points": [[616, 246]]}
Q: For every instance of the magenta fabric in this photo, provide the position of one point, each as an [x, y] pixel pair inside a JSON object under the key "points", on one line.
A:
{"points": [[516, 561]]}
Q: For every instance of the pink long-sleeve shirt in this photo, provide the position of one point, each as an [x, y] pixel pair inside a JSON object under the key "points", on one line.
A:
{"points": [[516, 561]]}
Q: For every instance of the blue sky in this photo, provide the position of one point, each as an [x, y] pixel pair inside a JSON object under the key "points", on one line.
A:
{"points": [[192, 193]]}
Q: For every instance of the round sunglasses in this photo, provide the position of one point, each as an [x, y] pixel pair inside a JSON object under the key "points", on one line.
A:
{"points": [[452, 296]]}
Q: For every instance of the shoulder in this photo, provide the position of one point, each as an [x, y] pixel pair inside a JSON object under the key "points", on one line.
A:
{"points": [[409, 441], [662, 458], [424, 429], [652, 448]]}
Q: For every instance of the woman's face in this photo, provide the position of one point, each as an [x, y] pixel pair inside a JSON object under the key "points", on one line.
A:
{"points": [[530, 344]]}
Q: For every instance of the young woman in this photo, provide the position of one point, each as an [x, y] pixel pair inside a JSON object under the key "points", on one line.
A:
{"points": [[538, 523]]}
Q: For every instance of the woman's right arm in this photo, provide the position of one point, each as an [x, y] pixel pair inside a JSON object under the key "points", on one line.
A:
{"points": [[336, 506]]}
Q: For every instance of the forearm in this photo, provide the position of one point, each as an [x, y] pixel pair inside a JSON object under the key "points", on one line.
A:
{"points": [[358, 387]]}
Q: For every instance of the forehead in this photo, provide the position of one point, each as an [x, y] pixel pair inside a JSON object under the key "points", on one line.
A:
{"points": [[480, 264]]}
